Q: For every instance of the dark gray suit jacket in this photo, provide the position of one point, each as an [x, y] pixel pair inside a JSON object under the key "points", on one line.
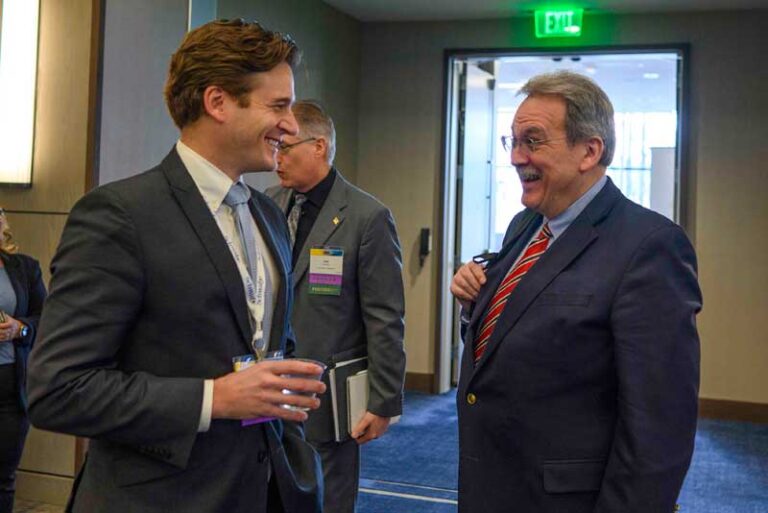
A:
{"points": [[369, 313], [585, 399], [146, 302]]}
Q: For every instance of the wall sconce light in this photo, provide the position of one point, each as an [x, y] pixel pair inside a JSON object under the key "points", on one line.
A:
{"points": [[19, 22]]}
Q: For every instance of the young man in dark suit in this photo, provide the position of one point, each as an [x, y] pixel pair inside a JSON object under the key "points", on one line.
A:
{"points": [[579, 381], [361, 312], [160, 280]]}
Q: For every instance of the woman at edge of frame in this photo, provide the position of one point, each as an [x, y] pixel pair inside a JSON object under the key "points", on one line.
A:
{"points": [[22, 293]]}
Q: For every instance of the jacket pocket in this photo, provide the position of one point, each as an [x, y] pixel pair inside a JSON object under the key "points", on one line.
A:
{"points": [[568, 476], [133, 469]]}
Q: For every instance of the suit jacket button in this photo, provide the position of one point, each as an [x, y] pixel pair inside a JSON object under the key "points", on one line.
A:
{"points": [[471, 398]]}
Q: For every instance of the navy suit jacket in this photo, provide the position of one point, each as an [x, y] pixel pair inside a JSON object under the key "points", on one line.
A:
{"points": [[146, 303], [585, 399]]}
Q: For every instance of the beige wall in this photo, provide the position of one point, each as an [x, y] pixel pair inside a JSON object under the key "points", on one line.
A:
{"points": [[136, 131], [400, 146], [37, 215], [330, 42]]}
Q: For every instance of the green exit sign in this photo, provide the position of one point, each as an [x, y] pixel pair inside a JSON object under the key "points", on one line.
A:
{"points": [[559, 23]]}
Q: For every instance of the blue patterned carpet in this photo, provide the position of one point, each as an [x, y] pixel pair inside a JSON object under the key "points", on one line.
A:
{"points": [[414, 468]]}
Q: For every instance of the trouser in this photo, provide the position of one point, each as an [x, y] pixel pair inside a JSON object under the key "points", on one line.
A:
{"points": [[13, 431], [341, 473]]}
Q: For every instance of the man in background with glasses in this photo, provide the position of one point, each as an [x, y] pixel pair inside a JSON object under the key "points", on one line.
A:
{"points": [[348, 288], [578, 389]]}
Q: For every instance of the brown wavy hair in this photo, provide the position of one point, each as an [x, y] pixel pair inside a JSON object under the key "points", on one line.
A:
{"points": [[223, 53], [7, 244]]}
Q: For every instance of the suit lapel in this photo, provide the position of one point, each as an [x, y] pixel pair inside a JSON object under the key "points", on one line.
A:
{"points": [[203, 223], [577, 237], [282, 257], [496, 270], [330, 218], [282, 198]]}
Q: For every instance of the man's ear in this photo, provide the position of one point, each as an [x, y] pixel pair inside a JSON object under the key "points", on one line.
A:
{"points": [[593, 152], [321, 148], [215, 102]]}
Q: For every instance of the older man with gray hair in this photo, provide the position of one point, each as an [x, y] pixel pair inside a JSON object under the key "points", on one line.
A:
{"points": [[579, 382]]}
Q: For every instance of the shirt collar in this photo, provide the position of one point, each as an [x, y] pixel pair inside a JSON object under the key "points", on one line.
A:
{"points": [[562, 221], [211, 181]]}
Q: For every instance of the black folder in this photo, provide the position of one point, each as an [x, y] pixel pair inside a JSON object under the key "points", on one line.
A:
{"points": [[342, 366]]}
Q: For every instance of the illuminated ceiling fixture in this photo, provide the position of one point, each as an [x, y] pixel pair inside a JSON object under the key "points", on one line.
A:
{"points": [[18, 81], [651, 76], [510, 85], [558, 22]]}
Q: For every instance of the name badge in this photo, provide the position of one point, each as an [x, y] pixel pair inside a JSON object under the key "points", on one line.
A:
{"points": [[326, 266]]}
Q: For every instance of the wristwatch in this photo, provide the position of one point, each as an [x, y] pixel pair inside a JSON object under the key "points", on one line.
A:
{"points": [[23, 330]]}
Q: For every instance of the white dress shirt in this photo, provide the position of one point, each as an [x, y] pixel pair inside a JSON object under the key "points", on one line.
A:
{"points": [[213, 185]]}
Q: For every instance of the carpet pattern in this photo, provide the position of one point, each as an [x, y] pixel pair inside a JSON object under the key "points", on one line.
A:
{"points": [[414, 467]]}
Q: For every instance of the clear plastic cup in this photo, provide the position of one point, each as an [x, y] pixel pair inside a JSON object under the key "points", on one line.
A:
{"points": [[306, 376]]}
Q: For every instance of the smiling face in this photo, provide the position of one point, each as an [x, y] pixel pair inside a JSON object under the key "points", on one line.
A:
{"points": [[302, 164], [254, 132], [556, 173]]}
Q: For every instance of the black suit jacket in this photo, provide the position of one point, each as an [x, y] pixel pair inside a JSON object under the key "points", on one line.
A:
{"points": [[585, 399], [27, 282], [146, 302]]}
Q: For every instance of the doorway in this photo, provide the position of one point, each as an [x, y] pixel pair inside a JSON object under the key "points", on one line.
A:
{"points": [[481, 190]]}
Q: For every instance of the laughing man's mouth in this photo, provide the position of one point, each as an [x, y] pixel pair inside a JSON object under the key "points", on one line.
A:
{"points": [[528, 174], [273, 142]]}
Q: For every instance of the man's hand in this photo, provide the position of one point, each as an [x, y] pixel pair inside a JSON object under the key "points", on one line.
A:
{"points": [[258, 391], [369, 428], [466, 283]]}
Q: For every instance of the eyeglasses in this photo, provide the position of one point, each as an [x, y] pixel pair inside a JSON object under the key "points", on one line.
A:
{"points": [[285, 148], [527, 144]]}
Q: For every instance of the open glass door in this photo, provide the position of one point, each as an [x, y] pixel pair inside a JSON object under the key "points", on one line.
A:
{"points": [[481, 189]]}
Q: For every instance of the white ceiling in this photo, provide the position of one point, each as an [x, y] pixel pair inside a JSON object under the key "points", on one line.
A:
{"points": [[634, 82], [412, 10]]}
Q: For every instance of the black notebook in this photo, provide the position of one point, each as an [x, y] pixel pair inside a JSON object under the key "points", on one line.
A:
{"points": [[344, 366]]}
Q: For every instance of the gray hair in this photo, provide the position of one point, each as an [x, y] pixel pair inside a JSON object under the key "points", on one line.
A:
{"points": [[315, 122], [588, 113]]}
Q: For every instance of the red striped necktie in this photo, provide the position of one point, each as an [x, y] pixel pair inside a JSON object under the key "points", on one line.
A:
{"points": [[535, 249]]}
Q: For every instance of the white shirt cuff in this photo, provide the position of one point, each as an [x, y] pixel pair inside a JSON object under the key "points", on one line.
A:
{"points": [[207, 409]]}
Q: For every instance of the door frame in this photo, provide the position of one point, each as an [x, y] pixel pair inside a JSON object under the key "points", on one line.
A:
{"points": [[685, 180]]}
